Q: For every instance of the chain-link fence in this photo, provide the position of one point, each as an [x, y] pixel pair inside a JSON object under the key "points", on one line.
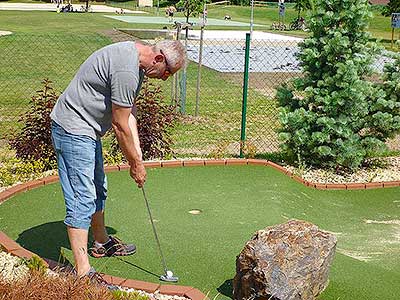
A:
{"points": [[211, 121]]}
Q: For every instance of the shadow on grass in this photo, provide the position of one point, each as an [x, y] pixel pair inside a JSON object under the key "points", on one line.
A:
{"points": [[226, 288], [47, 240], [138, 267]]}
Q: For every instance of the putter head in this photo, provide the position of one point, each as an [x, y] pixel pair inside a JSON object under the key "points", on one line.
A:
{"points": [[169, 277]]}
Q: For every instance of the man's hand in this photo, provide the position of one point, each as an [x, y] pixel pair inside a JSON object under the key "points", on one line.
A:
{"points": [[138, 173]]}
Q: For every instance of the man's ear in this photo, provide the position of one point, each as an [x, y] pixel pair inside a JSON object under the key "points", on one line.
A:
{"points": [[159, 58]]}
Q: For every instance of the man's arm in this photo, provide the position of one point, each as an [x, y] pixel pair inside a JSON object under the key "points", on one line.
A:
{"points": [[128, 140], [135, 134]]}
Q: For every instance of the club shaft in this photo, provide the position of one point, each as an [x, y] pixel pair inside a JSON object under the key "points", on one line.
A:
{"points": [[154, 231]]}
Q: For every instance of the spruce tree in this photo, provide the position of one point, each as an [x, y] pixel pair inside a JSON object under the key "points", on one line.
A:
{"points": [[329, 117]]}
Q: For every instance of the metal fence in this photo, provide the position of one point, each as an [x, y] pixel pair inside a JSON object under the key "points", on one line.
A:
{"points": [[211, 120]]}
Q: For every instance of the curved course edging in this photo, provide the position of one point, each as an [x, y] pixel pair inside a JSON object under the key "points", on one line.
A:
{"points": [[14, 248], [209, 162]]}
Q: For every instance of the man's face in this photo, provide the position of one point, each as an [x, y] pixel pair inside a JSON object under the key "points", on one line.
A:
{"points": [[159, 68]]}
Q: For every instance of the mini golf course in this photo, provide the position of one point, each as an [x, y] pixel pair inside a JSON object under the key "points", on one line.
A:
{"points": [[230, 204]]}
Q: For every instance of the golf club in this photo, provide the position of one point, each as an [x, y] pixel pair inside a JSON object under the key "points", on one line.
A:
{"points": [[168, 275]]}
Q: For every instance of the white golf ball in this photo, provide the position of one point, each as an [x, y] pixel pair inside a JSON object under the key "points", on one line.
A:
{"points": [[170, 274]]}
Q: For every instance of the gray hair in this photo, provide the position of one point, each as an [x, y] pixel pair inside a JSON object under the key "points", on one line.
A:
{"points": [[174, 52]]}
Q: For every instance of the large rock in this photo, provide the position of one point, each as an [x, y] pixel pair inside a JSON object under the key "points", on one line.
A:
{"points": [[288, 262]]}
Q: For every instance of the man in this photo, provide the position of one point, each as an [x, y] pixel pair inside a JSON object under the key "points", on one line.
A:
{"points": [[101, 96]]}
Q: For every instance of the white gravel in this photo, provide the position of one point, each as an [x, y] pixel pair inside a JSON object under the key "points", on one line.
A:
{"points": [[11, 268], [156, 295]]}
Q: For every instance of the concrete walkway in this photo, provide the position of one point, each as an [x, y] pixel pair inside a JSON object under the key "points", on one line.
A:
{"points": [[241, 35], [53, 7]]}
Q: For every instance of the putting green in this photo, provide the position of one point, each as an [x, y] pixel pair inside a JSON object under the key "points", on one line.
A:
{"points": [[234, 201]]}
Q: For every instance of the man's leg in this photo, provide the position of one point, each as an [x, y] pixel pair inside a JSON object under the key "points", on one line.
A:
{"points": [[98, 227], [78, 239], [76, 164], [104, 244]]}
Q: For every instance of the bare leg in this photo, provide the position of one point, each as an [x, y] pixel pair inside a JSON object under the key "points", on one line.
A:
{"points": [[79, 239], [98, 227]]}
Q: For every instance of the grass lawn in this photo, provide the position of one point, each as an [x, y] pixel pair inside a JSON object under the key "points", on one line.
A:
{"points": [[235, 202], [55, 52], [55, 48]]}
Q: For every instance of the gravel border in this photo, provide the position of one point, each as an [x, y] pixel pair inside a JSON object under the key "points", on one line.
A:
{"points": [[376, 170], [11, 267]]}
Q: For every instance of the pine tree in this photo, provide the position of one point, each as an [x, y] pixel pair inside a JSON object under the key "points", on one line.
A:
{"points": [[330, 117]]}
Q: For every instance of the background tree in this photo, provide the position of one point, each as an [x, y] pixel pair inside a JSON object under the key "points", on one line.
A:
{"points": [[392, 7], [191, 7], [302, 5], [332, 116]]}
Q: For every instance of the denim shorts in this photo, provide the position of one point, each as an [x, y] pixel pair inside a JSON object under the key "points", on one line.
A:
{"points": [[81, 173]]}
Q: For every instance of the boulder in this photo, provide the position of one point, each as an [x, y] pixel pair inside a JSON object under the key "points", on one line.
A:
{"points": [[288, 261]]}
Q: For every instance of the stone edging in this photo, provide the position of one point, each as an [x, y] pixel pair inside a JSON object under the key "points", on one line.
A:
{"points": [[14, 248], [209, 162]]}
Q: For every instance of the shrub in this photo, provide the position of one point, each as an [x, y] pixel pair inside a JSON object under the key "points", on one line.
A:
{"points": [[36, 264], [16, 170], [332, 116], [384, 121], [33, 142], [33, 145], [155, 121]]}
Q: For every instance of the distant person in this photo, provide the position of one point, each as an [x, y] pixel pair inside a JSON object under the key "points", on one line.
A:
{"points": [[205, 14], [170, 11], [120, 11]]}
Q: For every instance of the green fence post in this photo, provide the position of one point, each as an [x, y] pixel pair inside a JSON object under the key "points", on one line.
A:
{"points": [[245, 89]]}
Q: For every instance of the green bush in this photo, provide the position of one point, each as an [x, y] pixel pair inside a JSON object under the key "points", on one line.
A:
{"points": [[16, 170], [333, 116], [33, 145], [155, 121], [36, 264], [123, 295]]}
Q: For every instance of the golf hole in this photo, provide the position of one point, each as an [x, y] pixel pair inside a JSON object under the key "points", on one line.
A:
{"points": [[195, 211]]}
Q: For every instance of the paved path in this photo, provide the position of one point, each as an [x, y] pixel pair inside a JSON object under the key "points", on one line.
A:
{"points": [[241, 35], [53, 7], [164, 20]]}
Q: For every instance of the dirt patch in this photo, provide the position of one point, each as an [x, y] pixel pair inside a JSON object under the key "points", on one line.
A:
{"points": [[387, 222], [264, 83], [365, 257], [118, 36]]}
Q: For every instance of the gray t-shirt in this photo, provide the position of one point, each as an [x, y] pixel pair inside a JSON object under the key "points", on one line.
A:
{"points": [[109, 75]]}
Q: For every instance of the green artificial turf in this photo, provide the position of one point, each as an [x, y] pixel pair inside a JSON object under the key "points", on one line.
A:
{"points": [[235, 202]]}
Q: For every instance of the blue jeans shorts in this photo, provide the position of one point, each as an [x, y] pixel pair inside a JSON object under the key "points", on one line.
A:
{"points": [[81, 173]]}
